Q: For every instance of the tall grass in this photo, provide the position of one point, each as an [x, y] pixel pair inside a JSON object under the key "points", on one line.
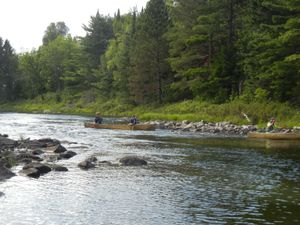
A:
{"points": [[192, 110]]}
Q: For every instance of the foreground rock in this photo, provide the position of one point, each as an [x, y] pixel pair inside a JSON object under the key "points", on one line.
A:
{"points": [[67, 155], [31, 172], [41, 168], [132, 161], [31, 153], [5, 173], [59, 168], [6, 143], [1, 194], [38, 144]]}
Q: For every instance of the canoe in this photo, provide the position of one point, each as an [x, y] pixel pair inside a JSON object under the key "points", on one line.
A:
{"points": [[274, 136], [120, 126]]}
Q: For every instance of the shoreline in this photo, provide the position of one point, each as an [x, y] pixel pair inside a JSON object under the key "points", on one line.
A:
{"points": [[237, 112]]}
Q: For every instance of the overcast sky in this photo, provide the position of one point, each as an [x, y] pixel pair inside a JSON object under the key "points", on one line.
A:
{"points": [[23, 22]]}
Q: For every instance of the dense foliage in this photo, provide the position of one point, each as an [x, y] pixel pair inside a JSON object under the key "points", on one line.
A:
{"points": [[172, 50]]}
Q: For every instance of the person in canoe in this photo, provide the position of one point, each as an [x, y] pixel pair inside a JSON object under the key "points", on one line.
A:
{"points": [[271, 125], [98, 118], [133, 120]]}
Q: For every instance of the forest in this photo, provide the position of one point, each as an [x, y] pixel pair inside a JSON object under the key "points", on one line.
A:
{"points": [[171, 51]]}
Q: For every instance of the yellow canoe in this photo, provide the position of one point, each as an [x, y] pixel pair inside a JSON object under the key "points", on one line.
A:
{"points": [[274, 136], [120, 126]]}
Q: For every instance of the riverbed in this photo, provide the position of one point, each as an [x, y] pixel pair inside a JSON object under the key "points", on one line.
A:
{"points": [[191, 178]]}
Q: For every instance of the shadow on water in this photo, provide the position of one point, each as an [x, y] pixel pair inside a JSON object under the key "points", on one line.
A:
{"points": [[225, 142], [232, 179]]}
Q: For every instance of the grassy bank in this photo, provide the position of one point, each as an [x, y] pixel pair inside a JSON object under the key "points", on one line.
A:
{"points": [[258, 112]]}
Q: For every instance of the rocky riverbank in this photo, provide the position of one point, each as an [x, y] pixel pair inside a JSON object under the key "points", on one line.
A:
{"points": [[204, 127], [226, 128]]}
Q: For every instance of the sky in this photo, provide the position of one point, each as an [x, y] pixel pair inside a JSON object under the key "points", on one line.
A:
{"points": [[23, 22]]}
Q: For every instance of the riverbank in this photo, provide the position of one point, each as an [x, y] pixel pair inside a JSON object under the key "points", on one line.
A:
{"points": [[236, 112]]}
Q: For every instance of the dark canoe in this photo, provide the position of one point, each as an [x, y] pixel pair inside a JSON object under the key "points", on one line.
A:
{"points": [[120, 126], [274, 136]]}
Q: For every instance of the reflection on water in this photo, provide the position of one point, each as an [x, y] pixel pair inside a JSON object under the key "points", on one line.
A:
{"points": [[190, 178]]}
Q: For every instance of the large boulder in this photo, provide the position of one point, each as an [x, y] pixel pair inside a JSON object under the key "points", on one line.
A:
{"points": [[66, 155], [5, 173], [58, 149], [38, 144], [42, 168], [31, 172], [132, 161], [59, 168], [6, 143]]}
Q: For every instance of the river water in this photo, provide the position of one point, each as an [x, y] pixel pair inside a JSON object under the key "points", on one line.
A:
{"points": [[189, 179]]}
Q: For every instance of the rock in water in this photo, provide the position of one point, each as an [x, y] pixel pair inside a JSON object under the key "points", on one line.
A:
{"points": [[132, 161]]}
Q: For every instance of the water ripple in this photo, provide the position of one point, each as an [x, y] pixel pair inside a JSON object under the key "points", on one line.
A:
{"points": [[190, 179]]}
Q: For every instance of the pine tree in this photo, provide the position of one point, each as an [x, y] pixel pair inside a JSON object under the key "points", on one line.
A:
{"points": [[8, 72], [150, 68], [98, 33], [272, 64]]}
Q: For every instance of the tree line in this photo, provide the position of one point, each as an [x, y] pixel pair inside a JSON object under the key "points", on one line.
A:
{"points": [[172, 50]]}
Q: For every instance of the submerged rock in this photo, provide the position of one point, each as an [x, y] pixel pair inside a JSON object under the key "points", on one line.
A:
{"points": [[88, 163], [132, 161], [59, 168]]}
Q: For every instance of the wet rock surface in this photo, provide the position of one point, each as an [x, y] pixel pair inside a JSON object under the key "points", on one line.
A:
{"points": [[5, 173], [132, 161], [88, 163], [32, 154]]}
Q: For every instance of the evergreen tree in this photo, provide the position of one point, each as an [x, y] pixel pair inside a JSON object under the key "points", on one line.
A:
{"points": [[272, 63], [150, 68], [98, 33], [203, 48], [8, 72]]}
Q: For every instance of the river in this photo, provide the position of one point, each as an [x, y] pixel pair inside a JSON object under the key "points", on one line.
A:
{"points": [[190, 178]]}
